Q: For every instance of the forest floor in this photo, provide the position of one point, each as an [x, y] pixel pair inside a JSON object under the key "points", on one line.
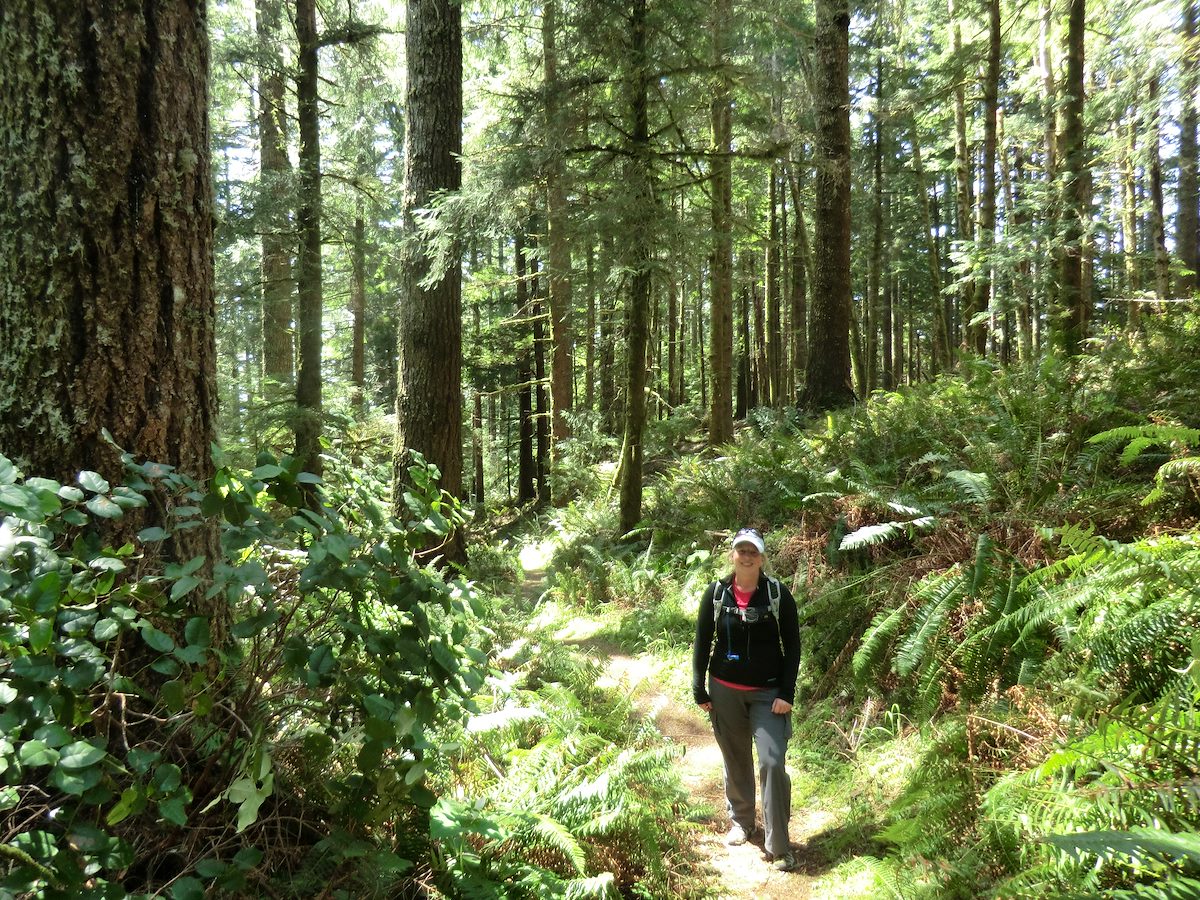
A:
{"points": [[730, 872]]}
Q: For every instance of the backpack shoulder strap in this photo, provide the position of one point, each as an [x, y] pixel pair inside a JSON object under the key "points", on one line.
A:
{"points": [[774, 592], [719, 589]]}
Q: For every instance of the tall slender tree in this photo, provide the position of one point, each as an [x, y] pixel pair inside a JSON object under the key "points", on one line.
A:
{"points": [[309, 291], [277, 200], [1074, 304], [720, 333]]}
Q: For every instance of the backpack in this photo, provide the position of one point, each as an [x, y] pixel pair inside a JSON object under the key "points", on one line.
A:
{"points": [[774, 591]]}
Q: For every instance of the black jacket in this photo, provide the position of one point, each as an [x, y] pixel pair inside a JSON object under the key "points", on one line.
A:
{"points": [[763, 654]]}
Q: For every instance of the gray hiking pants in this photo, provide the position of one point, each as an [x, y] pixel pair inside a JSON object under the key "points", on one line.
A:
{"points": [[740, 719]]}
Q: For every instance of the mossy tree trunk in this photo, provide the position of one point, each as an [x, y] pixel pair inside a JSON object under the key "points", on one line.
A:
{"points": [[720, 371], [278, 244], [1074, 304], [638, 313], [827, 379], [106, 254], [429, 371], [309, 314]]}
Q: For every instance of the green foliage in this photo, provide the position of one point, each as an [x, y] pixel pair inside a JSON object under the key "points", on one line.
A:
{"points": [[568, 800], [147, 702]]}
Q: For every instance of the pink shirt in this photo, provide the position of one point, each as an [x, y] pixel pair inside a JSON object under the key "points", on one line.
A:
{"points": [[742, 598]]}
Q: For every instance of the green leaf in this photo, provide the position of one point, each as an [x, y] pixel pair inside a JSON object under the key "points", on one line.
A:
{"points": [[8, 472], [173, 809], [128, 498], [70, 493], [132, 801], [156, 639], [80, 755], [184, 586], [197, 631], [172, 695], [104, 508], [53, 734], [106, 630], [41, 633], [270, 470], [75, 783], [154, 533], [93, 481], [37, 753]]}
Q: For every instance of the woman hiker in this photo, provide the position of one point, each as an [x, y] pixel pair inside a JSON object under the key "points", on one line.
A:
{"points": [[748, 643]]}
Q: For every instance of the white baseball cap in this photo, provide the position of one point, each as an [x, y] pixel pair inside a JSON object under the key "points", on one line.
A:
{"points": [[750, 536]]}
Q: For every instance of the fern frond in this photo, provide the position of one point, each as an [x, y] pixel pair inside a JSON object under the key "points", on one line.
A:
{"points": [[877, 639], [1137, 844], [975, 487]]}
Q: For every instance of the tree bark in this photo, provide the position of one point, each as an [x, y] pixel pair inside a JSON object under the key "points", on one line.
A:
{"points": [[558, 262], [541, 417], [429, 319], [962, 174], [1129, 219], [941, 332], [308, 268], [640, 232], [1187, 233], [774, 291], [1073, 303], [358, 310], [277, 200], [827, 377], [106, 251], [720, 420], [1158, 231], [977, 334], [526, 465], [801, 267]]}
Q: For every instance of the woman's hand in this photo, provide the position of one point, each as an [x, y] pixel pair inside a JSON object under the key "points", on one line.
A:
{"points": [[781, 707], [707, 707]]}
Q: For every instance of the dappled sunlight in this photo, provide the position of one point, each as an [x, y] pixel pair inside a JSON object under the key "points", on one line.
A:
{"points": [[534, 556]]}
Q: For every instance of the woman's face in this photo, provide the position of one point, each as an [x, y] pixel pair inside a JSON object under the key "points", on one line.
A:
{"points": [[747, 561]]}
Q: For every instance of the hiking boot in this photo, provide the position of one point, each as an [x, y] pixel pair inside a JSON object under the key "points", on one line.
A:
{"points": [[784, 862], [738, 835]]}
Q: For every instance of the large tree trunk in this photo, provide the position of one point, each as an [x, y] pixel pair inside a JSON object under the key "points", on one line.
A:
{"points": [[640, 236], [720, 420], [106, 253], [429, 379], [1074, 304], [308, 268], [558, 261], [827, 377], [276, 200]]}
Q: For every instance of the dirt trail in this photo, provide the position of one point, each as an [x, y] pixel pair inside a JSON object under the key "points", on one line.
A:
{"points": [[741, 871]]}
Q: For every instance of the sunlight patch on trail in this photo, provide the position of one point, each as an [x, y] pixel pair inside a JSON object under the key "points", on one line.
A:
{"points": [[535, 556]]}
